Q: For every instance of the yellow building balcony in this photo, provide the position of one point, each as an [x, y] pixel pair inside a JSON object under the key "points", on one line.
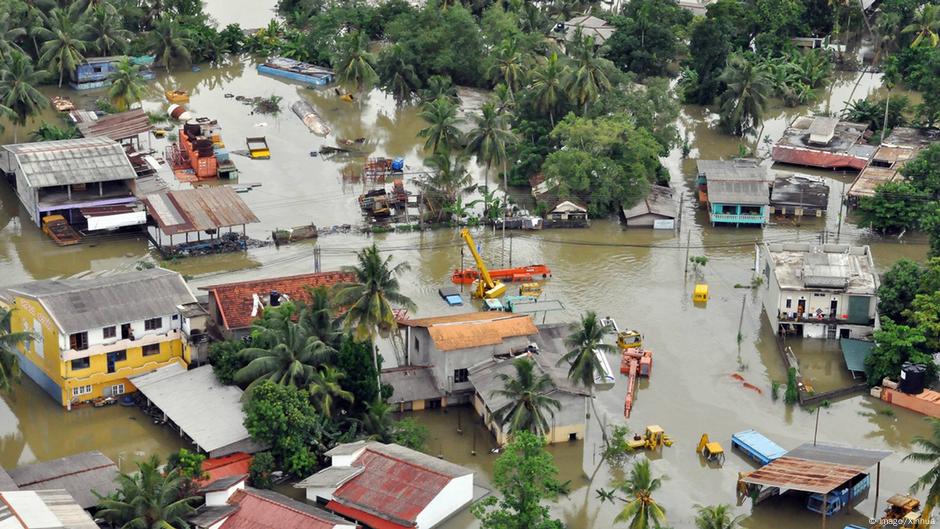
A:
{"points": [[120, 345], [118, 374]]}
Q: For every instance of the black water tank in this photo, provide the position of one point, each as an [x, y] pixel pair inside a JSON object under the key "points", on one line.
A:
{"points": [[275, 298], [913, 378]]}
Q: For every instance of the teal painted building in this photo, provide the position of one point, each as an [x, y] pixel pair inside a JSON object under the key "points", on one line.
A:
{"points": [[735, 192]]}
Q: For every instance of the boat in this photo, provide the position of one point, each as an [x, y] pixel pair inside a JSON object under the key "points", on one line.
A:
{"points": [[62, 104], [59, 230], [177, 96], [309, 116], [297, 71], [525, 274]]}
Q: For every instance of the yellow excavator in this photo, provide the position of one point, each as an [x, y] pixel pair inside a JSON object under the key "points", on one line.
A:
{"points": [[485, 287]]}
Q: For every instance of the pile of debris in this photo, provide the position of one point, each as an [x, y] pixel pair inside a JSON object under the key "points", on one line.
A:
{"points": [[226, 243]]}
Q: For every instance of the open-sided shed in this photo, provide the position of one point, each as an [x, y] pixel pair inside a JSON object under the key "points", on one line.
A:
{"points": [[196, 211]]}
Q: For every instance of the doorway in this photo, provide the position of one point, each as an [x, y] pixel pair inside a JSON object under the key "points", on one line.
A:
{"points": [[833, 308], [126, 331], [801, 307]]}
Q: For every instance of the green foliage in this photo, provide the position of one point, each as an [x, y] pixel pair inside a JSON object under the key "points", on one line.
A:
{"points": [[898, 287], [147, 498], [189, 465], [872, 112], [49, 132], [894, 345], [774, 390], [745, 97], [525, 476], [259, 473], [652, 106], [586, 337], [640, 510], [10, 344], [792, 394], [411, 433], [716, 517], [283, 418], [355, 360], [923, 172], [648, 37], [929, 454], [728, 27], [288, 356], [698, 260], [618, 450], [896, 206], [20, 98], [528, 408], [605, 162]]}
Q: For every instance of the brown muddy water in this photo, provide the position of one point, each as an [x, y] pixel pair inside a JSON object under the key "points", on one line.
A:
{"points": [[637, 277]]}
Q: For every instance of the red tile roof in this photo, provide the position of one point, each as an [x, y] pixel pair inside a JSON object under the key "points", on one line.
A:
{"points": [[260, 510], [394, 489], [371, 520], [234, 300], [222, 467]]}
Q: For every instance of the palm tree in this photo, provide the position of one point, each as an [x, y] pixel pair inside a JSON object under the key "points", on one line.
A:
{"points": [[439, 86], [354, 63], [926, 27], [377, 421], [528, 402], [442, 133], [489, 140], [586, 338], [105, 31], [148, 499], [127, 85], [18, 91], [547, 86], [290, 358], [447, 178], [509, 66], [9, 345], [169, 41], [742, 103], [929, 454], [32, 24], [716, 517], [325, 389], [64, 46], [587, 81], [641, 510], [397, 74], [317, 316]]}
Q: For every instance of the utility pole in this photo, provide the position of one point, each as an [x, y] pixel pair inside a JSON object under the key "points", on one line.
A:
{"points": [[461, 269], [816, 430], [510, 250], [841, 205], [688, 244]]}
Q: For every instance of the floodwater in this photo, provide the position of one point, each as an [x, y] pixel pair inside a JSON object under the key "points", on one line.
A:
{"points": [[637, 277]]}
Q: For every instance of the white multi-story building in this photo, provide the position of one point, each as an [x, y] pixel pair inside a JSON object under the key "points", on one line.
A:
{"points": [[820, 291]]}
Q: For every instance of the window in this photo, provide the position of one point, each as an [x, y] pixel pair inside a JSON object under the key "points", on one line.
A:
{"points": [[151, 349], [81, 390], [461, 375], [81, 363], [117, 356], [79, 341], [176, 317], [109, 332], [153, 323], [789, 302], [117, 389]]}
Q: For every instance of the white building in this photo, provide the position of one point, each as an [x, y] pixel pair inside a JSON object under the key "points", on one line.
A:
{"points": [[390, 486], [826, 291]]}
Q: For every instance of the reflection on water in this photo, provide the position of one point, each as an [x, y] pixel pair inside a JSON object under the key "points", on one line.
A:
{"points": [[636, 276]]}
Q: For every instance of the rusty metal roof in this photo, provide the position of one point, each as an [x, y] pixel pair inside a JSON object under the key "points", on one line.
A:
{"points": [[199, 209], [66, 162], [816, 469], [460, 331], [115, 126], [265, 509]]}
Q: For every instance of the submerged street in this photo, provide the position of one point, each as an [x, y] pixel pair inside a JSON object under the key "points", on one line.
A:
{"points": [[636, 276]]}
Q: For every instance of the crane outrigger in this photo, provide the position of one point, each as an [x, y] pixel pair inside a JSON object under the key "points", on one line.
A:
{"points": [[485, 287]]}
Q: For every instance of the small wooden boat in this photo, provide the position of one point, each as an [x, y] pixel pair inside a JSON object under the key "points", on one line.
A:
{"points": [[311, 119], [297, 71], [177, 96], [62, 104]]}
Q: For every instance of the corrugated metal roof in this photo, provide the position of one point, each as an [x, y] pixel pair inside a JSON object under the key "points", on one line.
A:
{"points": [[44, 509], [114, 126], [224, 483], [459, 331], [659, 201], [411, 384], [217, 421], [369, 519], [747, 169], [199, 209], [738, 192], [6, 482], [77, 161], [78, 304], [486, 378], [329, 477], [79, 474], [801, 191], [839, 455], [265, 509], [802, 475]]}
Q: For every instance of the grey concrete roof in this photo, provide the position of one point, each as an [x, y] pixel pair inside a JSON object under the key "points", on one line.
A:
{"points": [[800, 191], [6, 482], [44, 509], [206, 516], [411, 384], [845, 139], [78, 161], [744, 169], [80, 304], [839, 455], [347, 449], [590, 26], [224, 483], [329, 477], [738, 192], [831, 266], [209, 412], [81, 475]]}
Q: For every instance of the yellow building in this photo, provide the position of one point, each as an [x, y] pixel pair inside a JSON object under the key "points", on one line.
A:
{"points": [[90, 335]]}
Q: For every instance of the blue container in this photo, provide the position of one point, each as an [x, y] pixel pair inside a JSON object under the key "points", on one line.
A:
{"points": [[221, 155], [398, 164]]}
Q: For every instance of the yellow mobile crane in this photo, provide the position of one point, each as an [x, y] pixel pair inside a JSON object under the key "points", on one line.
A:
{"points": [[485, 287]]}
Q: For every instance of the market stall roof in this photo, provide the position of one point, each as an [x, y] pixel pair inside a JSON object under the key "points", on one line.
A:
{"points": [[215, 423], [199, 209], [815, 469], [115, 126]]}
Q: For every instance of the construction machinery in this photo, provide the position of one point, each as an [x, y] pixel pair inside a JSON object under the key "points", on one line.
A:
{"points": [[653, 439], [59, 230], [485, 287], [518, 274], [902, 511], [634, 361], [258, 148], [710, 450], [530, 289]]}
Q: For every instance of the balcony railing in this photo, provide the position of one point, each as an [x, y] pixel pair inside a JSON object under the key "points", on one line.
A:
{"points": [[120, 345], [829, 319], [124, 372], [732, 218]]}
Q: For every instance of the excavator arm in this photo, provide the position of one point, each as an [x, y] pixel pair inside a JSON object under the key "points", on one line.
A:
{"points": [[488, 288]]}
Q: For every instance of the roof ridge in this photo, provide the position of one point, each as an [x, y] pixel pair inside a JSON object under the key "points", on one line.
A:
{"points": [[60, 476], [262, 497], [406, 462], [235, 284]]}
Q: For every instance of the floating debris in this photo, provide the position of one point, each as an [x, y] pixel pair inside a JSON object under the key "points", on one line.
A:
{"points": [[309, 116]]}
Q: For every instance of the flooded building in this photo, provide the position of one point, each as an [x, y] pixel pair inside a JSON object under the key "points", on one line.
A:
{"points": [[43, 509], [735, 191], [389, 486], [230, 504], [657, 210], [697, 7], [826, 291], [73, 178], [901, 146], [588, 26], [234, 306], [188, 214], [826, 142], [567, 214], [80, 475], [565, 424], [799, 196], [95, 72], [92, 334], [452, 344]]}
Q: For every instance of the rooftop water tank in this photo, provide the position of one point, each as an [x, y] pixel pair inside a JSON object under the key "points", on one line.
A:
{"points": [[913, 378]]}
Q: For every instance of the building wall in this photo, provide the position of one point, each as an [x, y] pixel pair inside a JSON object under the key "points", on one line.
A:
{"points": [[453, 497], [218, 498], [312, 493], [47, 359], [570, 419]]}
